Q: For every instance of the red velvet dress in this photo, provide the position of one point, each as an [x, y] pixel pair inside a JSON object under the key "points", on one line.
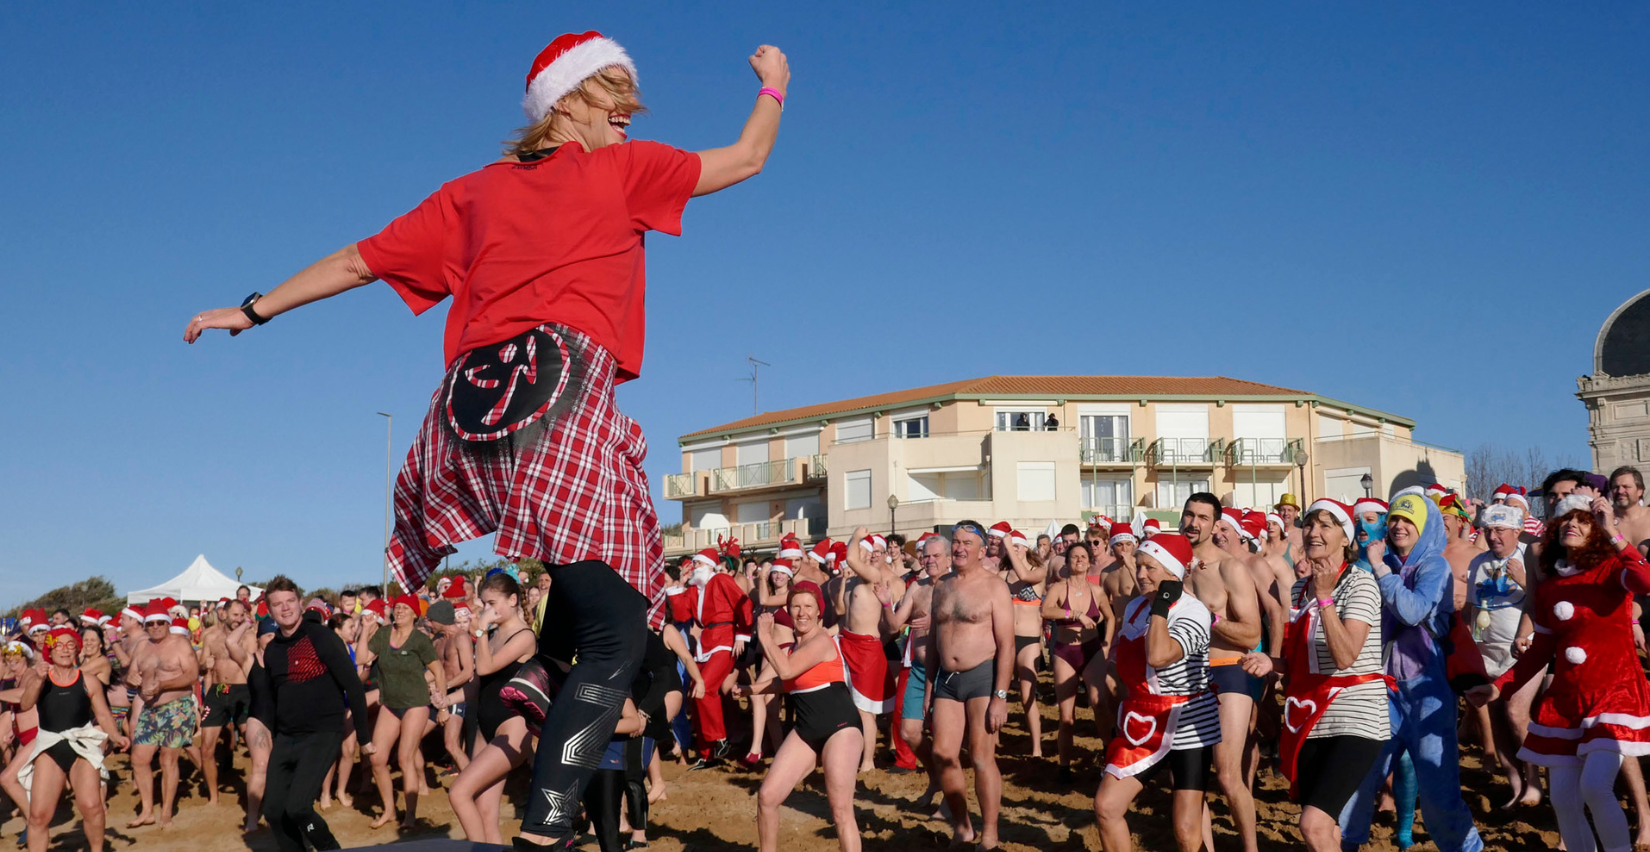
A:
{"points": [[1599, 699]]}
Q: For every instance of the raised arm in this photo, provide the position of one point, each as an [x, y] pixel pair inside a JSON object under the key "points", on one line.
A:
{"points": [[720, 168], [337, 272], [859, 562]]}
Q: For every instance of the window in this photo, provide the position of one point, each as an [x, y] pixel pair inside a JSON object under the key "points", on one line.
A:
{"points": [[1036, 481], [1260, 493], [705, 458], [1105, 437], [1021, 419], [802, 446], [859, 429], [754, 452], [1107, 495], [1345, 483], [752, 513], [1183, 432], [1173, 494], [1362, 430], [707, 516], [1259, 436], [856, 492], [911, 427]]}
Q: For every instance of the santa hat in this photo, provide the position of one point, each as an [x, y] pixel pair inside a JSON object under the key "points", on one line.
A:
{"points": [[1275, 518], [1171, 550], [1001, 529], [32, 617], [922, 541], [1122, 532], [132, 611], [1436, 490], [179, 626], [262, 609], [93, 616], [1518, 499], [320, 606], [1253, 526], [18, 647], [1337, 510], [375, 608], [709, 557], [1017, 537], [873, 542], [1500, 493], [455, 591], [1151, 527], [1368, 504], [564, 64], [783, 566], [1570, 503], [1231, 516], [821, 551], [1100, 522], [790, 548], [156, 612], [839, 552]]}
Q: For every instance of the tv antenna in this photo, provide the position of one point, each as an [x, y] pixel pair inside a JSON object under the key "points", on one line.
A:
{"points": [[756, 366]]}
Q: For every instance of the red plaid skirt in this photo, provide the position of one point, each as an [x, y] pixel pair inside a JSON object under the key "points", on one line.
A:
{"points": [[567, 490]]}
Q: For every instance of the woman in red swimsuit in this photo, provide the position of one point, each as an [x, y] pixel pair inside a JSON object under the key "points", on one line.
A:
{"points": [[827, 723]]}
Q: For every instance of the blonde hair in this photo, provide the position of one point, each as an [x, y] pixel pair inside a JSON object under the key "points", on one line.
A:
{"points": [[612, 80]]}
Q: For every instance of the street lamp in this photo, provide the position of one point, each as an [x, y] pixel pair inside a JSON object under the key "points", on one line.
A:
{"points": [[893, 503], [1367, 482], [389, 490]]}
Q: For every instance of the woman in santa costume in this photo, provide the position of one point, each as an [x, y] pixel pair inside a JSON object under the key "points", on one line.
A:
{"points": [[1335, 705], [542, 255], [1596, 711], [1168, 716]]}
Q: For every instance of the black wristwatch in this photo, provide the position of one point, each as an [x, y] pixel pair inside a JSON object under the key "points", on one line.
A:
{"points": [[246, 308]]}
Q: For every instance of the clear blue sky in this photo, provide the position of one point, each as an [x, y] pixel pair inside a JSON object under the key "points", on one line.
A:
{"points": [[1425, 210]]}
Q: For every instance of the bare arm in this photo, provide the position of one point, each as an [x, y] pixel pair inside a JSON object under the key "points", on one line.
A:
{"points": [[1023, 569], [859, 563], [678, 646], [720, 168], [337, 272], [466, 661], [1273, 616], [514, 648]]}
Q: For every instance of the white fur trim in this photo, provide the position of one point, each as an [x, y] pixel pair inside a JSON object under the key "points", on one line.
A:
{"points": [[571, 69], [181, 631], [701, 559], [1122, 537], [1575, 654], [1564, 610], [1164, 558], [133, 613], [790, 553], [1570, 503], [780, 569]]}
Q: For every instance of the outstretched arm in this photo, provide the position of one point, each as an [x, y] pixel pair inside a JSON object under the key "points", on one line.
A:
{"points": [[720, 168], [337, 272]]}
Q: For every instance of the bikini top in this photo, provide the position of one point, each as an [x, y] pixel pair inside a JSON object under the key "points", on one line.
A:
{"points": [[821, 675], [1028, 594], [1094, 606]]}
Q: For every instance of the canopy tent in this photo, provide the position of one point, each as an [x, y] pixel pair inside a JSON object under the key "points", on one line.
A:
{"points": [[199, 582]]}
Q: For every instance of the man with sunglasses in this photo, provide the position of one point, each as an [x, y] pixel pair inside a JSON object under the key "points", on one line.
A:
{"points": [[971, 659]]}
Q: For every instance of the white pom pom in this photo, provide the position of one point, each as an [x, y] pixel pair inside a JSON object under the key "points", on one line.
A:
{"points": [[1564, 610], [1575, 655]]}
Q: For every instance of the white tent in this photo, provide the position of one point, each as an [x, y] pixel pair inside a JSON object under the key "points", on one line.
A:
{"points": [[199, 582]]}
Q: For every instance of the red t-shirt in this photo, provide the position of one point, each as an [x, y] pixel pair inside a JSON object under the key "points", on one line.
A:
{"points": [[555, 240]]}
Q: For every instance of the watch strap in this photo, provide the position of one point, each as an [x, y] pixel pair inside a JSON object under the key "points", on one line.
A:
{"points": [[246, 308]]}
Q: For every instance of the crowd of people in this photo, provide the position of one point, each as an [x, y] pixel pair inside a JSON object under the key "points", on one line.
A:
{"points": [[1333, 644]]}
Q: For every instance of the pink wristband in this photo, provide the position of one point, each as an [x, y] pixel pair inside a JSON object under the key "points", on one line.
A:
{"points": [[773, 93], [1326, 601], [1214, 618]]}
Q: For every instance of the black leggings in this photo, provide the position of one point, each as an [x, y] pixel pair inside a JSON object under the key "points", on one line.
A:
{"points": [[597, 615], [298, 763], [1328, 770], [602, 799]]}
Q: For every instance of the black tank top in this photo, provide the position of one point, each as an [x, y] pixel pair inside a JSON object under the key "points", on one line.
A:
{"points": [[64, 707]]}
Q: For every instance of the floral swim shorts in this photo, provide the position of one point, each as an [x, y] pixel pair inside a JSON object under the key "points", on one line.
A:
{"points": [[170, 725]]}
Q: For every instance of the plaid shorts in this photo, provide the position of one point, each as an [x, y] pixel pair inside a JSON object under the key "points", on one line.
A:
{"points": [[566, 489]]}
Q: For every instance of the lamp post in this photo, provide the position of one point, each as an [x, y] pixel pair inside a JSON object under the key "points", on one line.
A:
{"points": [[1367, 482], [893, 503], [389, 490]]}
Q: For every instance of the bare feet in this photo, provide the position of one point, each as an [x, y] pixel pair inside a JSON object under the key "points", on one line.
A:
{"points": [[408, 825], [658, 794], [325, 804], [141, 820], [383, 819], [345, 800]]}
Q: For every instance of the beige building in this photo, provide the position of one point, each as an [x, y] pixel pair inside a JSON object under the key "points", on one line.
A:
{"points": [[1617, 394], [1034, 449]]}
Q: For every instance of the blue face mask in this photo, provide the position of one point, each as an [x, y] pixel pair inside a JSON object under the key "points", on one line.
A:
{"points": [[1368, 532]]}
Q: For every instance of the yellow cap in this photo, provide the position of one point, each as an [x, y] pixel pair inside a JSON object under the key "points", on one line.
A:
{"points": [[1287, 500], [1410, 508]]}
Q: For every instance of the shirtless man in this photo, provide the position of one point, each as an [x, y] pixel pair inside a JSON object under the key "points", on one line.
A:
{"points": [[167, 720], [914, 611], [228, 698], [1289, 509], [457, 650], [861, 635], [243, 644], [971, 658], [1226, 585], [1632, 516], [812, 569], [123, 696]]}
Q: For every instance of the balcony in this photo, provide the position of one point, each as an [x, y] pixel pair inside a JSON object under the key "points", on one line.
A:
{"points": [[1111, 451], [1185, 452], [1264, 452], [815, 469], [758, 536], [681, 486]]}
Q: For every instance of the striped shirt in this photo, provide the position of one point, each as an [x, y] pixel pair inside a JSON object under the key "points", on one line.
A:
{"points": [[1189, 623], [1357, 711]]}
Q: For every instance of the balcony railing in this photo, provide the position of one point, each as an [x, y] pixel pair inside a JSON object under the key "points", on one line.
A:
{"points": [[1185, 451], [816, 467], [1111, 450], [755, 475], [1244, 452], [679, 485]]}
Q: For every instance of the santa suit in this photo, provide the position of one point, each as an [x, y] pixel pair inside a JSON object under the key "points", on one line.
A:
{"points": [[723, 612]]}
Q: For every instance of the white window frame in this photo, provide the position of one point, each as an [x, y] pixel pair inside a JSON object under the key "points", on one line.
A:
{"points": [[897, 422], [849, 480], [1039, 416]]}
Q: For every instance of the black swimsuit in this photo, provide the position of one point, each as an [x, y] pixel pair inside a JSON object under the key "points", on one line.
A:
{"points": [[64, 708], [492, 713]]}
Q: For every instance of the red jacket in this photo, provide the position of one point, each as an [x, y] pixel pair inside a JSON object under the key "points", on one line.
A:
{"points": [[722, 611]]}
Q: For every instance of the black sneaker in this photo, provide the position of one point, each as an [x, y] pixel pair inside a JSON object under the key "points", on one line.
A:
{"points": [[720, 749], [703, 763]]}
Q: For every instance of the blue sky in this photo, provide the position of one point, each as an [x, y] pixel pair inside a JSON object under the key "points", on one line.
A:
{"points": [[1421, 209]]}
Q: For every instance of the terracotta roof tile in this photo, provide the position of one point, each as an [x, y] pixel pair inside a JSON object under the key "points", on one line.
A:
{"points": [[1061, 386]]}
